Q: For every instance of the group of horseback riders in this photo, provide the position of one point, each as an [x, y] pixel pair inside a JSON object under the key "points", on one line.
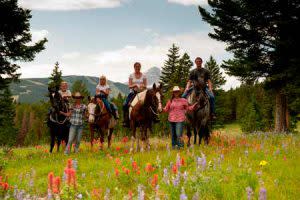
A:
{"points": [[177, 106]]}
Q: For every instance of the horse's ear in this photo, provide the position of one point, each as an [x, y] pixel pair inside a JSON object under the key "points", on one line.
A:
{"points": [[89, 98], [154, 86], [160, 85]]}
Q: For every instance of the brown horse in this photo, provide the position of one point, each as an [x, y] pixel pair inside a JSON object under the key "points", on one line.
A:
{"points": [[199, 119], [145, 106], [104, 122]]}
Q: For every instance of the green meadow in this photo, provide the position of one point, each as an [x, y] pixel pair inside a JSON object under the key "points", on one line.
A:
{"points": [[232, 166]]}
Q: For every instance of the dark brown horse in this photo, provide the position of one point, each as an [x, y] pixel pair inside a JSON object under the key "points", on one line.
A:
{"points": [[104, 123], [144, 108], [199, 118]]}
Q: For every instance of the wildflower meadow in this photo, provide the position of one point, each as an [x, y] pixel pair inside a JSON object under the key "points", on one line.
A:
{"points": [[233, 166]]}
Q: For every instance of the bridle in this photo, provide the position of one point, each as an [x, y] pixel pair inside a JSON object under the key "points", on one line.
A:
{"points": [[57, 108]]}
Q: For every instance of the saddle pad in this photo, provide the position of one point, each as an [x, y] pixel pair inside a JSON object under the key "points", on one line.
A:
{"points": [[140, 97]]}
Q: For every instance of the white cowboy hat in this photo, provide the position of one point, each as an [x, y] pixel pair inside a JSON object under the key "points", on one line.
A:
{"points": [[77, 95], [176, 89]]}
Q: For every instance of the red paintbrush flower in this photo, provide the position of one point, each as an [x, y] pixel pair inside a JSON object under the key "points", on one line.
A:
{"points": [[134, 165], [149, 167], [130, 194], [182, 161], [117, 172], [118, 148], [50, 180], [118, 161], [125, 139], [174, 169], [154, 180]]}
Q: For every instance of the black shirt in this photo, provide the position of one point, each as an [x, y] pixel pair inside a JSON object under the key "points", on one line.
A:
{"points": [[199, 73]]}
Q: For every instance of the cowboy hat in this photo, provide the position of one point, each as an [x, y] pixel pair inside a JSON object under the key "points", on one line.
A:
{"points": [[77, 95], [176, 89]]}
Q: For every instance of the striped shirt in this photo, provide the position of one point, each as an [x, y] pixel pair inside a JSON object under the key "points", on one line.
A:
{"points": [[77, 114], [177, 109]]}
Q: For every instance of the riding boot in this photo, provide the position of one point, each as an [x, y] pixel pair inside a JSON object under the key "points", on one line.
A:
{"points": [[125, 117]]}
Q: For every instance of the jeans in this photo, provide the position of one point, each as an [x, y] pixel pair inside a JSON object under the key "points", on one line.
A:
{"points": [[130, 96], [212, 100], [107, 105], [176, 130], [74, 135]]}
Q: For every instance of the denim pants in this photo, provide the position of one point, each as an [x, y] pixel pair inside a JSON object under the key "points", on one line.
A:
{"points": [[130, 96], [107, 105], [74, 135], [176, 130], [211, 96]]}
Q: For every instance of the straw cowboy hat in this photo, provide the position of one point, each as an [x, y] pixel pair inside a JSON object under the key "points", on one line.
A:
{"points": [[176, 89], [77, 95]]}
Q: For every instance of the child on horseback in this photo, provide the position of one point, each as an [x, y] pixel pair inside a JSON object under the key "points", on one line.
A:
{"points": [[103, 90]]}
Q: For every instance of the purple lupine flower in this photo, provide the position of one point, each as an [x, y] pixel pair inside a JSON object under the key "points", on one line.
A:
{"points": [[176, 180], [249, 193], [246, 153], [75, 164], [49, 196], [199, 161], [196, 196], [107, 194], [141, 193], [178, 161], [183, 195], [203, 164], [262, 194], [185, 175]]}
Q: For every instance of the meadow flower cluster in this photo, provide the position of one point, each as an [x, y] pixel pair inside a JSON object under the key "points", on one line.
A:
{"points": [[245, 167]]}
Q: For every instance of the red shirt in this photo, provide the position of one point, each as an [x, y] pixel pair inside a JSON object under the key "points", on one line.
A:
{"points": [[177, 109]]}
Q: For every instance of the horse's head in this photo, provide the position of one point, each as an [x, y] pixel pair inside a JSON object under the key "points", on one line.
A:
{"points": [[200, 84], [55, 99], [157, 97]]}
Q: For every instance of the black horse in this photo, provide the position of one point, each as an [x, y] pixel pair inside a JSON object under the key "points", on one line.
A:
{"points": [[199, 118], [58, 124]]}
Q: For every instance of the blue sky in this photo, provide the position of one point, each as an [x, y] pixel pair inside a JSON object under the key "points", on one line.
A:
{"points": [[94, 37]]}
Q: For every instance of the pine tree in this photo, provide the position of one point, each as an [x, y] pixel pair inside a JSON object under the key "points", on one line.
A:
{"points": [[216, 75], [80, 86], [15, 38], [183, 70], [171, 64], [262, 36], [56, 77], [8, 132]]}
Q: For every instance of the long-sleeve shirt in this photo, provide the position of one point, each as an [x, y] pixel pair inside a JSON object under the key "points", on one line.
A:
{"points": [[177, 109]]}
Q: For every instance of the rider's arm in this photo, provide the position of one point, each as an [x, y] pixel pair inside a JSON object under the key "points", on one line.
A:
{"points": [[68, 114], [130, 83], [167, 107], [144, 82], [188, 85], [210, 85]]}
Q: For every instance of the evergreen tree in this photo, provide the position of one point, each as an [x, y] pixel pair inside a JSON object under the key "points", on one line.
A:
{"points": [[56, 77], [8, 132], [262, 36], [80, 86], [167, 77], [15, 38], [183, 70], [216, 75]]}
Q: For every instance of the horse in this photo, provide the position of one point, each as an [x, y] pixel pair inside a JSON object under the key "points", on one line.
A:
{"points": [[199, 118], [103, 122], [144, 107], [58, 124]]}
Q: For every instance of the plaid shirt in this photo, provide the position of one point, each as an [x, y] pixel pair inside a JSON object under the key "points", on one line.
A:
{"points": [[77, 115]]}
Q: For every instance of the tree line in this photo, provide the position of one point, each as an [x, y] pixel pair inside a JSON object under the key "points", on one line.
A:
{"points": [[260, 34]]}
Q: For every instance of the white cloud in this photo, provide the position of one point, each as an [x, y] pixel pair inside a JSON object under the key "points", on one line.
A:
{"points": [[189, 2], [64, 5], [71, 55], [118, 64], [38, 35]]}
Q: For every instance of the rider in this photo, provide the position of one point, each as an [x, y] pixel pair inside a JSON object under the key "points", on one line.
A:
{"points": [[194, 76], [137, 82], [64, 91], [103, 90]]}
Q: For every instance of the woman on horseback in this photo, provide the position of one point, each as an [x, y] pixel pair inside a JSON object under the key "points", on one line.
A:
{"points": [[102, 91], [137, 82]]}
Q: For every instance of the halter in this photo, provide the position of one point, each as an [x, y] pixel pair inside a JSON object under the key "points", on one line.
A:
{"points": [[153, 111]]}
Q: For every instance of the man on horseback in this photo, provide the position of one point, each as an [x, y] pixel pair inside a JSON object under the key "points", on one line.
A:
{"points": [[195, 76]]}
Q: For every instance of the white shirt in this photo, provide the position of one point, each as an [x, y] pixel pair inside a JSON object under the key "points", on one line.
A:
{"points": [[102, 87], [66, 93], [137, 81]]}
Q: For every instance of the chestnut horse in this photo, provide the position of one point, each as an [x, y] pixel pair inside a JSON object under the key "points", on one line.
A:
{"points": [[104, 122], [143, 109]]}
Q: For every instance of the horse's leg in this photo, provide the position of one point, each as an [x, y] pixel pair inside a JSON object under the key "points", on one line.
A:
{"points": [[92, 134], [206, 132], [101, 137], [189, 134], [59, 135], [195, 135], [133, 137], [110, 132], [52, 142], [200, 133]]}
